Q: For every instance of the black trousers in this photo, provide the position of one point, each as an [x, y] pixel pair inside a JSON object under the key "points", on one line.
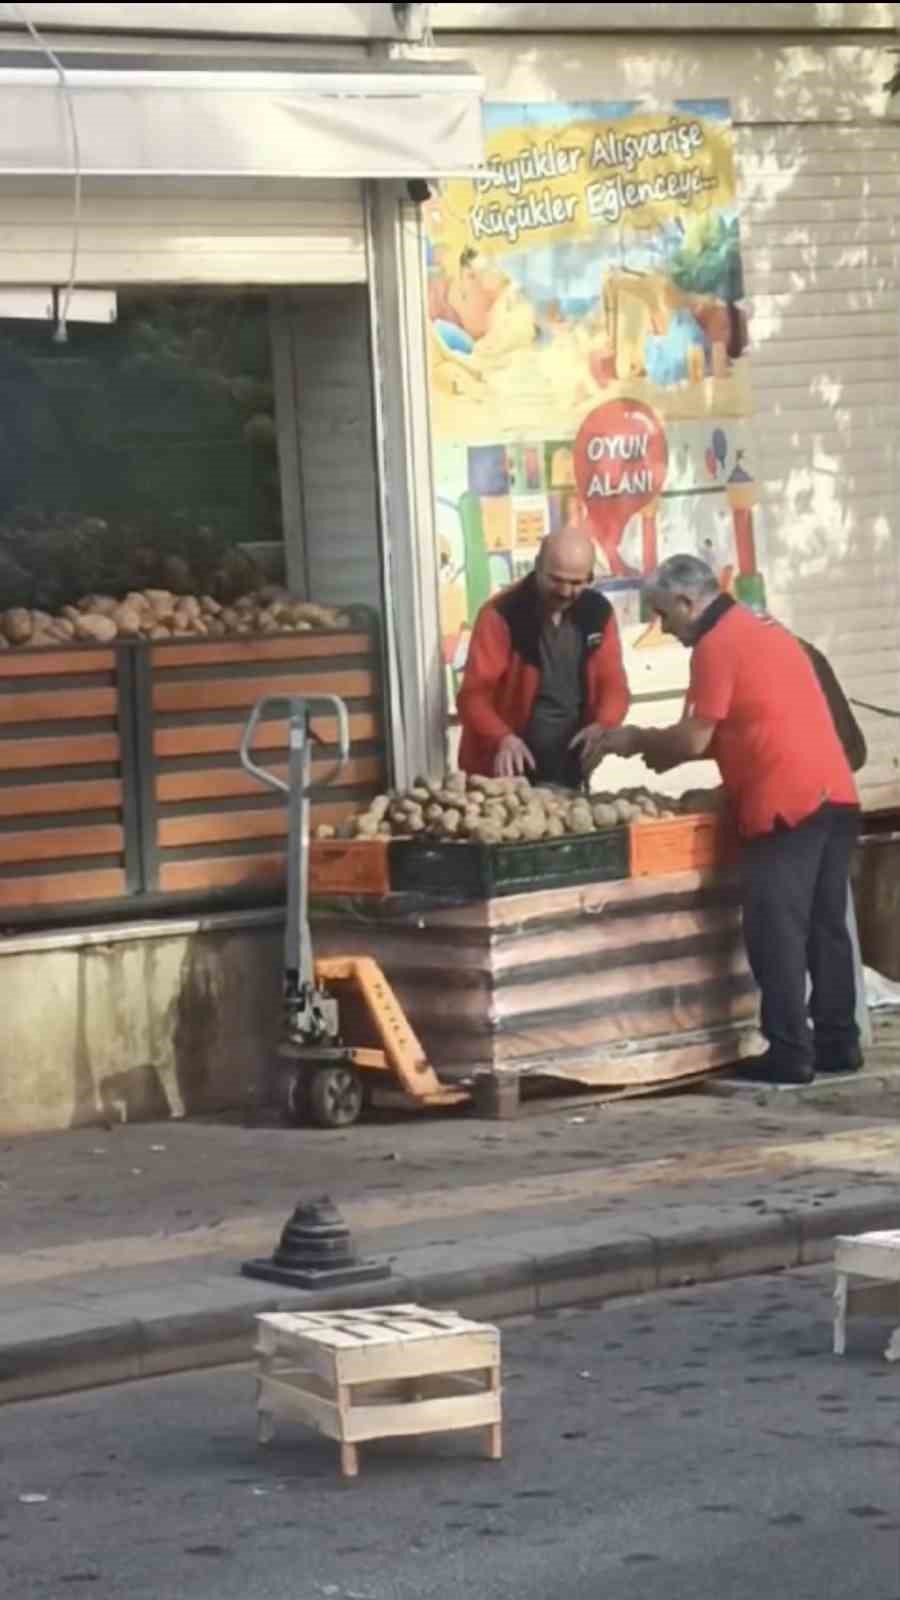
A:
{"points": [[796, 883]]}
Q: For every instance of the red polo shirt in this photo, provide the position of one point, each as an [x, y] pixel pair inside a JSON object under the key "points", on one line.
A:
{"points": [[775, 741]]}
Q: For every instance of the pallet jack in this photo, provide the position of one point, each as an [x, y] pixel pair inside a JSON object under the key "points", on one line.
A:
{"points": [[344, 1031]]}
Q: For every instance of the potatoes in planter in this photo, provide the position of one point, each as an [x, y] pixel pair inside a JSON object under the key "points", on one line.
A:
{"points": [[161, 614]]}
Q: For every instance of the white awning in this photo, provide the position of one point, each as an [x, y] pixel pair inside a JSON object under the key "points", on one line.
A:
{"points": [[393, 122]]}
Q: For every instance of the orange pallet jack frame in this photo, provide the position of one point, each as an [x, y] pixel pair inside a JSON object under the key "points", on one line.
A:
{"points": [[344, 1028]]}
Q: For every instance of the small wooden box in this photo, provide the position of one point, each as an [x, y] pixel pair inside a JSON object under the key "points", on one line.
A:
{"points": [[382, 1374], [868, 1279]]}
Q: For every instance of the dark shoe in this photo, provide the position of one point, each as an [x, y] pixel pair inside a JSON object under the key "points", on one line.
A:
{"points": [[765, 1069], [842, 1064]]}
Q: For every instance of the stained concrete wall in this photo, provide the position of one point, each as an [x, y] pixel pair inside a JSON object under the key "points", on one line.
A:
{"points": [[125, 1025]]}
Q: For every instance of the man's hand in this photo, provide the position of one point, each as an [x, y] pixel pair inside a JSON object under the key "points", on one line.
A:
{"points": [[659, 762], [595, 743], [513, 758]]}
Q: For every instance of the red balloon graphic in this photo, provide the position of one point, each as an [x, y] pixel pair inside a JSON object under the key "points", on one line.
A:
{"points": [[621, 461]]}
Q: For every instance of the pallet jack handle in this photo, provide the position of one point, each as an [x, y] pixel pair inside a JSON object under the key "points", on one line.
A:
{"points": [[299, 710], [299, 963]]}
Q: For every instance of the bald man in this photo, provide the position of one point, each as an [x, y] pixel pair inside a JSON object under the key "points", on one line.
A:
{"points": [[544, 671]]}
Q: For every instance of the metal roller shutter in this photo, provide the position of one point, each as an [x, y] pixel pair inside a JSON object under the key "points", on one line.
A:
{"points": [[307, 233]]}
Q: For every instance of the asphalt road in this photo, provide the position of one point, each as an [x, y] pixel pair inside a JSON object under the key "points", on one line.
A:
{"points": [[697, 1445]]}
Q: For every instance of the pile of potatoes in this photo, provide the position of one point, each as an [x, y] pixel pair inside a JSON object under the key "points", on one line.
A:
{"points": [[499, 811], [158, 614]]}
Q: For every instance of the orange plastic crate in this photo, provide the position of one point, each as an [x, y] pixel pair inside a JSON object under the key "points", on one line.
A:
{"points": [[349, 866], [680, 844]]}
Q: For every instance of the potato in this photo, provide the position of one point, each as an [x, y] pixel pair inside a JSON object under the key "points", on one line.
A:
{"points": [[18, 625], [452, 823], [96, 628], [556, 828], [128, 621], [161, 602], [325, 831], [580, 818], [533, 826], [488, 833], [98, 605], [512, 834], [605, 816]]}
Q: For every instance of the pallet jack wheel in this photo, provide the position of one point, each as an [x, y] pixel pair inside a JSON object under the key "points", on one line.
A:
{"points": [[336, 1096]]}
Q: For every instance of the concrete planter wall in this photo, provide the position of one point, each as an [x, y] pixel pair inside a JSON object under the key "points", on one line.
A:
{"points": [[137, 1024]]}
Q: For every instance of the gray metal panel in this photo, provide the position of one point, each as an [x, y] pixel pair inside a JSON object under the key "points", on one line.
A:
{"points": [[333, 367]]}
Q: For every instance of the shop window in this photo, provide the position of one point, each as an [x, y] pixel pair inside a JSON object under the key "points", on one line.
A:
{"points": [[140, 455]]}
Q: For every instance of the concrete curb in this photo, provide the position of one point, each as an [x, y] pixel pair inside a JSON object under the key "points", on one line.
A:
{"points": [[212, 1324]]}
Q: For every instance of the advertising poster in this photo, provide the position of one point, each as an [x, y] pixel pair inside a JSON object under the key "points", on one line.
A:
{"points": [[588, 367]]}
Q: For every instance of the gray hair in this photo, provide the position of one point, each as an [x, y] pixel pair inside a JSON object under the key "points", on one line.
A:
{"points": [[684, 575]]}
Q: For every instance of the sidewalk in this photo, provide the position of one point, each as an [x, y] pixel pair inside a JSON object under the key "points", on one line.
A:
{"points": [[121, 1249]]}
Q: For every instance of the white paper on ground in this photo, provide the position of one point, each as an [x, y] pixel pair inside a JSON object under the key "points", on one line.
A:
{"points": [[881, 993]]}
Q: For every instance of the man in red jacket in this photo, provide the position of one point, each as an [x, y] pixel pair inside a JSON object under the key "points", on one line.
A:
{"points": [[544, 670]]}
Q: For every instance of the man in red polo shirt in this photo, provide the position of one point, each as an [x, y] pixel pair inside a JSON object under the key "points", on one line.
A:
{"points": [[545, 661], [756, 707]]}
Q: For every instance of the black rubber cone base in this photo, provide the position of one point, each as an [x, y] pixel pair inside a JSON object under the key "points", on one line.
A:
{"points": [[316, 1252], [316, 1277]]}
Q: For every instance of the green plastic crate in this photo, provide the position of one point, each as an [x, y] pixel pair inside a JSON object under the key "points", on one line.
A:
{"points": [[443, 870]]}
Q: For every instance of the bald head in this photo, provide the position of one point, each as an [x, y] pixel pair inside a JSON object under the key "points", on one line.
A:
{"points": [[565, 567]]}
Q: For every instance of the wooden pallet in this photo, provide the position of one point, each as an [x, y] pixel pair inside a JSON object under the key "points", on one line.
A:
{"points": [[390, 1373]]}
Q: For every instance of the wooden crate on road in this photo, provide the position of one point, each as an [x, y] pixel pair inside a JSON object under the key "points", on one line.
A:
{"points": [[394, 1373]]}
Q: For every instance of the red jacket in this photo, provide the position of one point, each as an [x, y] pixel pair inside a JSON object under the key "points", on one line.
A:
{"points": [[503, 671]]}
